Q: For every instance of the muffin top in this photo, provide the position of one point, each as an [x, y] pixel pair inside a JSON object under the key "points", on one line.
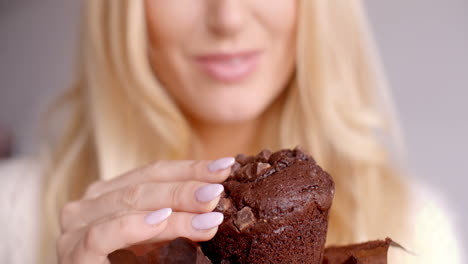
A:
{"points": [[269, 186]]}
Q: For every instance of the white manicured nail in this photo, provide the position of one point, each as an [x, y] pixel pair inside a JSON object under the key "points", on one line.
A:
{"points": [[207, 221], [221, 164], [209, 192], [158, 216]]}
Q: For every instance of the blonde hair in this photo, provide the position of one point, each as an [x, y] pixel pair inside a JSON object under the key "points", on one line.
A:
{"points": [[336, 107]]}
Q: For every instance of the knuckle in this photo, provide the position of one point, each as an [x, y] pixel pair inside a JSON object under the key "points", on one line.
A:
{"points": [[149, 170], [176, 195], [75, 256], [93, 189], [60, 245], [131, 196], [68, 211], [90, 240], [125, 226], [182, 196], [155, 166], [70, 208], [199, 170], [197, 165], [194, 164]]}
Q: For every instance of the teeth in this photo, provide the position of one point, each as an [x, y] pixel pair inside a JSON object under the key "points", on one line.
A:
{"points": [[235, 61]]}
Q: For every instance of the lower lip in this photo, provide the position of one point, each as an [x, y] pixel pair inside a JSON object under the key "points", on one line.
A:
{"points": [[224, 71]]}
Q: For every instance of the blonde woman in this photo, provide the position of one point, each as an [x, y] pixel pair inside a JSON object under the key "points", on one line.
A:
{"points": [[165, 89]]}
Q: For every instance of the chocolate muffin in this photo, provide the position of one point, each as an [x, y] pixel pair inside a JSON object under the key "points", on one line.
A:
{"points": [[372, 252], [275, 210], [183, 251], [179, 251]]}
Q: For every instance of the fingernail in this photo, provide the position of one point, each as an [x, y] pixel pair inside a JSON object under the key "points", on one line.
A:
{"points": [[209, 192], [221, 164], [158, 216], [207, 221]]}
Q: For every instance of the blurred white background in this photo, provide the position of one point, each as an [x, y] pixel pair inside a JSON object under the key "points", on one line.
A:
{"points": [[424, 45]]}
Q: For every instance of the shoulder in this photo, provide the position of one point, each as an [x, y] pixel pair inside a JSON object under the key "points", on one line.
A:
{"points": [[19, 169], [20, 186], [19, 180], [434, 236]]}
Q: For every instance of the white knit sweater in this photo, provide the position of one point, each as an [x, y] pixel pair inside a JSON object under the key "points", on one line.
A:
{"points": [[435, 242]]}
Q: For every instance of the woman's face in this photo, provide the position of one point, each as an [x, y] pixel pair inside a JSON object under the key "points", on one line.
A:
{"points": [[222, 61]]}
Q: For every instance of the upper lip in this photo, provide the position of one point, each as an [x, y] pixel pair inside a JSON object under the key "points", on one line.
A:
{"points": [[219, 56]]}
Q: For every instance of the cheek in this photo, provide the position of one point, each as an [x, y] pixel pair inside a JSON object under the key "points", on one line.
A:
{"points": [[167, 16], [170, 25], [279, 23], [278, 20], [169, 22], [279, 17]]}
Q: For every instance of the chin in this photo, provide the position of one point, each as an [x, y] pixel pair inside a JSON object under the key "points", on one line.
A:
{"points": [[229, 115]]}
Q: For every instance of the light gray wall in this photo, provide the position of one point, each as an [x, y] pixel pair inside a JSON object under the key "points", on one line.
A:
{"points": [[423, 43], [37, 41]]}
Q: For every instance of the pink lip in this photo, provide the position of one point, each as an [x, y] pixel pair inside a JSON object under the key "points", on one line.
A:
{"points": [[229, 67]]}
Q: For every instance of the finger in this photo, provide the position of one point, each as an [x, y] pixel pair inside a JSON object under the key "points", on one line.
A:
{"points": [[189, 196], [104, 237], [167, 171], [196, 227]]}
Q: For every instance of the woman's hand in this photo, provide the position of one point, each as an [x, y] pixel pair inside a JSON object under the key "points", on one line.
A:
{"points": [[158, 203]]}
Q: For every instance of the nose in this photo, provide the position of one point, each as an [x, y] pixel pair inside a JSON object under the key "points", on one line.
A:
{"points": [[226, 17]]}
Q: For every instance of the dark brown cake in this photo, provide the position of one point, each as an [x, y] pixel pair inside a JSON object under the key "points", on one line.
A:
{"points": [[179, 251], [275, 210], [372, 252], [182, 251]]}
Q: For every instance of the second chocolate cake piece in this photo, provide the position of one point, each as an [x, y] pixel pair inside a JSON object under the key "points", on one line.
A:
{"points": [[275, 210]]}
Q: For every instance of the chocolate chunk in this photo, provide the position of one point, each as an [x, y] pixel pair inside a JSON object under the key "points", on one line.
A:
{"points": [[263, 156], [234, 168], [224, 205], [247, 172], [155, 257], [352, 260], [244, 218], [243, 159], [201, 258], [300, 154], [123, 256], [275, 157], [284, 157], [309, 188], [266, 173], [261, 167], [180, 250]]}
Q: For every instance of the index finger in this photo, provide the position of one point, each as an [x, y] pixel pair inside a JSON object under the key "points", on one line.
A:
{"points": [[167, 171]]}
